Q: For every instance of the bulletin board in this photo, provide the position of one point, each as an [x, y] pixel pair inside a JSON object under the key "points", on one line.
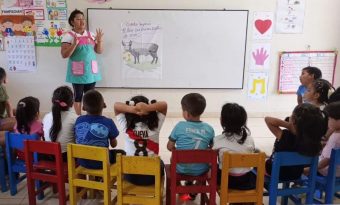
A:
{"points": [[196, 48], [292, 63]]}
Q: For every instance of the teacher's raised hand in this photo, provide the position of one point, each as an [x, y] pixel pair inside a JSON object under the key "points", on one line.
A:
{"points": [[99, 35]]}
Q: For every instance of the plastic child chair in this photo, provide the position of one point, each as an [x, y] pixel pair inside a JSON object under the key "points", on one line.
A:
{"points": [[77, 175], [16, 166], [291, 159], [54, 172], [133, 194], [234, 160], [206, 182], [3, 182], [329, 184]]}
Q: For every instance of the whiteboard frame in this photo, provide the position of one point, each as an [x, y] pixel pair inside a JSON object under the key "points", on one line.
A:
{"points": [[169, 87]]}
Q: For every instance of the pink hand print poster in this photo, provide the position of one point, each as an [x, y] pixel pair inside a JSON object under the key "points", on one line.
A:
{"points": [[260, 57]]}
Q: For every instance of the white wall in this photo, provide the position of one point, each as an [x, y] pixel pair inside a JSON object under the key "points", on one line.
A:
{"points": [[321, 32]]}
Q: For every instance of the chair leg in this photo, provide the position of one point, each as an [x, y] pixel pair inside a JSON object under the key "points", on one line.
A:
{"points": [[62, 194], [107, 197], [212, 198], [38, 185], [73, 194], [172, 197], [167, 191], [31, 191], [12, 183], [2, 174]]}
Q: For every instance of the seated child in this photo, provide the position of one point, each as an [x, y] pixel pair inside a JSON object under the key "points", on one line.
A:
{"points": [[59, 124], [302, 134], [191, 134], [94, 129], [317, 93], [335, 96], [142, 123], [7, 120], [308, 75], [27, 117], [333, 112], [235, 138]]}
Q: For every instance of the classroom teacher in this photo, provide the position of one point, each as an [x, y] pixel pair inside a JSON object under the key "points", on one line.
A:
{"points": [[80, 47]]}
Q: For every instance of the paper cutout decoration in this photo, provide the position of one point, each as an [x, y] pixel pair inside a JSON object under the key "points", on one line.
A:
{"points": [[260, 57], [258, 85], [263, 25]]}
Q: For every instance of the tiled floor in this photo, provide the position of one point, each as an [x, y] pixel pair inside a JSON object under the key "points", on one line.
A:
{"points": [[263, 140]]}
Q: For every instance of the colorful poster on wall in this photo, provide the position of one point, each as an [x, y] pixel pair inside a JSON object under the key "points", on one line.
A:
{"points": [[56, 3], [260, 57], [141, 50], [290, 16], [263, 25], [258, 85], [12, 11], [38, 14], [20, 52], [17, 25], [57, 14], [98, 1], [50, 33]]}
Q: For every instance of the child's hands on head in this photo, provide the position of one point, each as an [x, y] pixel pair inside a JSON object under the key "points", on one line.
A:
{"points": [[141, 108]]}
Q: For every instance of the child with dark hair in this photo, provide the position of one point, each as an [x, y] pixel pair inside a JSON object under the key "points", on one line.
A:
{"points": [[27, 116], [7, 120], [308, 75], [302, 134], [192, 134], [317, 93], [96, 130], [59, 124], [235, 138], [333, 112], [141, 120], [335, 96]]}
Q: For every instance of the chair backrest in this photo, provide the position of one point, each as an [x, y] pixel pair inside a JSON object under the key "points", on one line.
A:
{"points": [[16, 141], [42, 147], [237, 160], [87, 152], [292, 159], [334, 162], [138, 165]]}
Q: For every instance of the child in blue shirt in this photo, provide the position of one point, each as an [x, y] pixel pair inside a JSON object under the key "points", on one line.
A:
{"points": [[308, 75], [192, 133], [94, 129]]}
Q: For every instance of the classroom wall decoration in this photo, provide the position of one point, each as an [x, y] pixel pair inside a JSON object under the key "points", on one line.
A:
{"points": [[291, 64], [141, 50], [17, 25], [98, 1], [290, 16], [262, 25], [258, 85], [260, 56]]}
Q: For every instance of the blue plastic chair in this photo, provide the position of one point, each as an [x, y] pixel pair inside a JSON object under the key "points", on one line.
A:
{"points": [[17, 166], [3, 182], [329, 184], [291, 159]]}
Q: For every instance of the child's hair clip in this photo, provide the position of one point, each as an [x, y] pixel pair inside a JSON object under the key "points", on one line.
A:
{"points": [[153, 101], [23, 104], [131, 102]]}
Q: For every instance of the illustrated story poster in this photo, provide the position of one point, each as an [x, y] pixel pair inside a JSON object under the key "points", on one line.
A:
{"points": [[17, 25], [141, 48]]}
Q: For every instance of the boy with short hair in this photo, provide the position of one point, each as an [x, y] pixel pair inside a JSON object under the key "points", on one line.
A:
{"points": [[308, 75], [192, 134], [94, 129]]}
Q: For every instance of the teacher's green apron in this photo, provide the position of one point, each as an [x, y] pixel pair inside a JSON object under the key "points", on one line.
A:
{"points": [[82, 66]]}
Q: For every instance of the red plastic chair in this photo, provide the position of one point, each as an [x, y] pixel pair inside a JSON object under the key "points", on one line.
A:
{"points": [[54, 172], [207, 181]]}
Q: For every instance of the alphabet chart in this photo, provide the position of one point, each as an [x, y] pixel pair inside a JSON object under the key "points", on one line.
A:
{"points": [[20, 52], [292, 63]]}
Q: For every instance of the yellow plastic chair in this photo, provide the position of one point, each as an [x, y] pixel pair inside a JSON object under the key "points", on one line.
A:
{"points": [[128, 193], [78, 174], [233, 160]]}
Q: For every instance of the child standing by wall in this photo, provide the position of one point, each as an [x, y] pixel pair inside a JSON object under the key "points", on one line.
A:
{"points": [[142, 123], [7, 120], [333, 112], [27, 116], [302, 134], [235, 138], [96, 130], [308, 75], [317, 93], [59, 124]]}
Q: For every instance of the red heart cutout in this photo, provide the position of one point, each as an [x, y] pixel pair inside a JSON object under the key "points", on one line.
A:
{"points": [[263, 25]]}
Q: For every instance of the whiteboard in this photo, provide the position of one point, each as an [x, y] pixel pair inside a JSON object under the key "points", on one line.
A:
{"points": [[197, 48], [292, 63]]}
